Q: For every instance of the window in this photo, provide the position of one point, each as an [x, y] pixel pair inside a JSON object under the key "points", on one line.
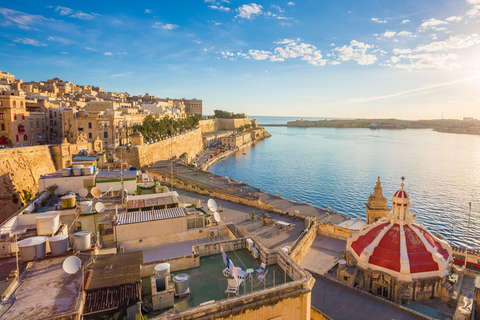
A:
{"points": [[55, 114], [14, 116], [25, 138], [38, 125], [31, 124], [23, 116], [21, 129], [105, 134], [90, 135], [345, 278], [89, 125], [2, 127], [1, 114]]}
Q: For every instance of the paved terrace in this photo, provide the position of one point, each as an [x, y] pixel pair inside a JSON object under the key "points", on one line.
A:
{"points": [[207, 282], [236, 188]]}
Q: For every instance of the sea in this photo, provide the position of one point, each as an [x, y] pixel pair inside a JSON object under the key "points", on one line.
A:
{"points": [[338, 168]]}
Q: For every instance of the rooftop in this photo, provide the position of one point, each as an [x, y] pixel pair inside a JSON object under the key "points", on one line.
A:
{"points": [[146, 216], [207, 281]]}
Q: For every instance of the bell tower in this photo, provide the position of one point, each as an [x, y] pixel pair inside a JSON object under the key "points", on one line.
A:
{"points": [[377, 204]]}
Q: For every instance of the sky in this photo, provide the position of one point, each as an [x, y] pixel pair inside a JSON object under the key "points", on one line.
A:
{"points": [[405, 59]]}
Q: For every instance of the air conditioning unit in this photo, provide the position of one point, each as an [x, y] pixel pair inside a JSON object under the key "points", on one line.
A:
{"points": [[255, 253], [249, 244], [214, 233]]}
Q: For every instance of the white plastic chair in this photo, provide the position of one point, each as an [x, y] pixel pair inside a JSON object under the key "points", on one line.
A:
{"points": [[262, 277], [232, 287], [262, 268]]}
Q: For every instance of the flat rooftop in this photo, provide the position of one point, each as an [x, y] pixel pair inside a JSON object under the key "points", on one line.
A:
{"points": [[46, 291], [207, 282], [323, 254]]}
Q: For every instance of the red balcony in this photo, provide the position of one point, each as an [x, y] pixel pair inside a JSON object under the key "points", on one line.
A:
{"points": [[21, 129]]}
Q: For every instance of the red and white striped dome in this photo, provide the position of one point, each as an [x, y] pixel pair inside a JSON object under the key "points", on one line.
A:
{"points": [[397, 245]]}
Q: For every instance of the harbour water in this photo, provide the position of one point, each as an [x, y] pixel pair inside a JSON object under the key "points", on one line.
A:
{"points": [[339, 168]]}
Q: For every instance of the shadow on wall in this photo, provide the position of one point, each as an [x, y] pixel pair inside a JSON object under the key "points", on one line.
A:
{"points": [[10, 200]]}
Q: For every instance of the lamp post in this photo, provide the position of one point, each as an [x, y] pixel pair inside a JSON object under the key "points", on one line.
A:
{"points": [[468, 230]]}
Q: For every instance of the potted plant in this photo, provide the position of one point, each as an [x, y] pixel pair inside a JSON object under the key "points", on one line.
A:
{"points": [[51, 189]]}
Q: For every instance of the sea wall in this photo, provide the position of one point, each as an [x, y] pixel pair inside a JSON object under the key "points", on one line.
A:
{"points": [[20, 169]]}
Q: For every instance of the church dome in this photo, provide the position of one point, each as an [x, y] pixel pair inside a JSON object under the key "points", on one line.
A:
{"points": [[400, 247]]}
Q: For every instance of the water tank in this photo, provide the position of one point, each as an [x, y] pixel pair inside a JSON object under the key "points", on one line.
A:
{"points": [[32, 248], [47, 223], [162, 269], [77, 170], [58, 244], [81, 240], [68, 201], [342, 264], [86, 206], [181, 283], [66, 172], [88, 170]]}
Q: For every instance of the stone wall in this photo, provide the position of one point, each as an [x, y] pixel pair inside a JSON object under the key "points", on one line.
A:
{"points": [[231, 124], [316, 314], [300, 249], [138, 156], [207, 125], [336, 232], [20, 169]]}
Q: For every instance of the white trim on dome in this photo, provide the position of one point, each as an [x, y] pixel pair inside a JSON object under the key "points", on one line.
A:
{"points": [[404, 273]]}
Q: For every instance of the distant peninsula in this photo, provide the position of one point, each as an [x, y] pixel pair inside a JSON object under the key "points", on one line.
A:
{"points": [[465, 126]]}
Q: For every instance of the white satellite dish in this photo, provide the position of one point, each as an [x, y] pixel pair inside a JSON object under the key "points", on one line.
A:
{"points": [[72, 264], [96, 193], [216, 216], [212, 205], [100, 207], [83, 192]]}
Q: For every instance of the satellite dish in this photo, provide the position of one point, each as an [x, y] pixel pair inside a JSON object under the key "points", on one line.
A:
{"points": [[83, 192], [124, 193], [212, 205], [100, 207], [72, 264], [96, 193], [216, 216]]}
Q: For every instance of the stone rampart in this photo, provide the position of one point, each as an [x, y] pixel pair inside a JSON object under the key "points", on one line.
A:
{"points": [[20, 169], [207, 125], [231, 124]]}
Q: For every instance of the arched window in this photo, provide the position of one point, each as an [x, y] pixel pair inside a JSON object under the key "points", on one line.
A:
{"points": [[105, 134]]}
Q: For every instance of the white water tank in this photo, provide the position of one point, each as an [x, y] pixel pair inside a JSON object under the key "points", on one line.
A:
{"points": [[81, 240], [88, 170], [66, 172], [32, 248], [47, 223], [162, 269], [77, 170], [86, 206], [342, 264], [58, 244]]}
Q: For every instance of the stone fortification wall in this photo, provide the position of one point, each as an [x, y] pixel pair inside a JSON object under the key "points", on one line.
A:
{"points": [[20, 169], [300, 249], [207, 125], [139, 156], [231, 124]]}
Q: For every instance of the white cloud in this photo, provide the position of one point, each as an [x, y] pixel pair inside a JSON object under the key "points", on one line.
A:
{"points": [[431, 24], [356, 51], [405, 21], [168, 26], [108, 54], [64, 52], [459, 41], [278, 8], [295, 49], [378, 20], [334, 63], [20, 19], [474, 12], [148, 11], [197, 41], [454, 19], [389, 34], [249, 11], [91, 49], [290, 3], [259, 54], [404, 34], [402, 51], [221, 8], [29, 41], [424, 61], [59, 39], [64, 11]]}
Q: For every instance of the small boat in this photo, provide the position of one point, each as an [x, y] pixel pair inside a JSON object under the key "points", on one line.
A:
{"points": [[244, 153]]}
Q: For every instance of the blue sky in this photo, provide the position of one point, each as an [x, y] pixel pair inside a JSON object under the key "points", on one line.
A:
{"points": [[396, 59]]}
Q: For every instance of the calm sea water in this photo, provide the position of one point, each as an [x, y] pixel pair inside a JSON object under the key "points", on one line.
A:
{"points": [[339, 168]]}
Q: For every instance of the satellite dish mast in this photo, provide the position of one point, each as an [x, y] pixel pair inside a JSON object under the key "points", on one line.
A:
{"points": [[83, 193], [212, 205], [99, 207]]}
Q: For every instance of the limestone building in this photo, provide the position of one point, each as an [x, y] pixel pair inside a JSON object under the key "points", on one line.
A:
{"points": [[377, 204], [192, 106], [396, 257]]}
